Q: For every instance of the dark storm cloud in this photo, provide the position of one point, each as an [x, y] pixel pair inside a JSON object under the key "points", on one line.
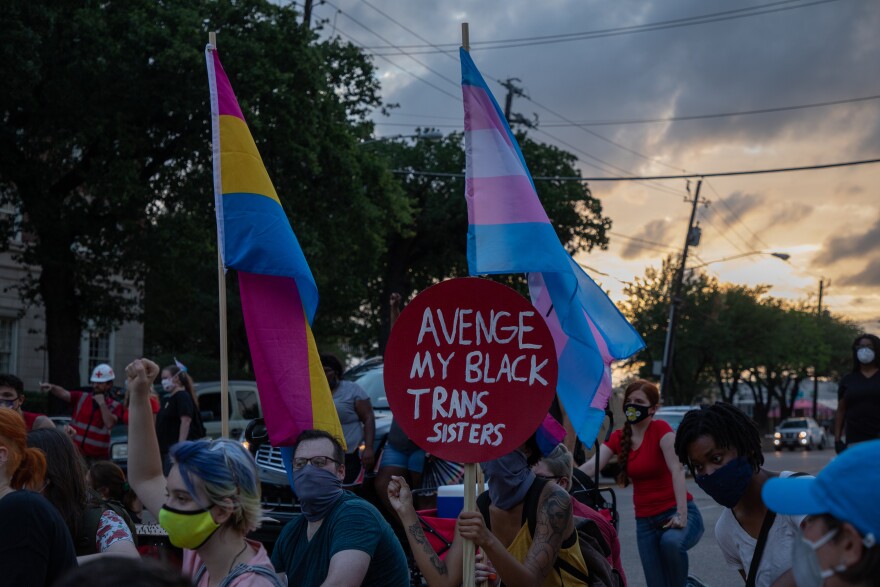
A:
{"points": [[852, 246], [868, 277], [789, 213], [657, 231], [810, 54]]}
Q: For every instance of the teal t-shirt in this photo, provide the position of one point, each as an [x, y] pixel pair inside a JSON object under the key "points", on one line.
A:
{"points": [[353, 524]]}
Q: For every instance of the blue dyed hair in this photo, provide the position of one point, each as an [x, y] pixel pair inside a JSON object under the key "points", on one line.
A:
{"points": [[227, 473]]}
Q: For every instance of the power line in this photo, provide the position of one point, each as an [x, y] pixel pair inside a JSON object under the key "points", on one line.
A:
{"points": [[409, 30], [736, 216], [431, 48], [643, 241], [599, 136], [660, 177], [723, 114], [648, 120], [403, 69], [727, 238]]}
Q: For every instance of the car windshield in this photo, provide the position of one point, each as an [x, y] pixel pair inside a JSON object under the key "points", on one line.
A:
{"points": [[372, 381], [673, 419], [794, 424]]}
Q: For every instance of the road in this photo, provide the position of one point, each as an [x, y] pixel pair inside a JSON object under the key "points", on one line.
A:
{"points": [[706, 561]]}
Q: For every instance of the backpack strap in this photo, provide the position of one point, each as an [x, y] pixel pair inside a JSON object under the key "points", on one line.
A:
{"points": [[769, 518]]}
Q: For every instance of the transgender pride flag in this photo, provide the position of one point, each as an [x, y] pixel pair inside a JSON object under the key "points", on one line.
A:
{"points": [[509, 232], [278, 293]]}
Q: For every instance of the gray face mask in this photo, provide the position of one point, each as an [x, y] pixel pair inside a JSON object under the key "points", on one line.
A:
{"points": [[318, 491], [805, 564], [509, 478]]}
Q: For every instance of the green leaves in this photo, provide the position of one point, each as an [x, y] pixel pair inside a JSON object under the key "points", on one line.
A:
{"points": [[732, 334]]}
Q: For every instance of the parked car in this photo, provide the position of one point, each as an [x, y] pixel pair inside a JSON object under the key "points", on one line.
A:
{"points": [[277, 496], [244, 406], [799, 433], [673, 415]]}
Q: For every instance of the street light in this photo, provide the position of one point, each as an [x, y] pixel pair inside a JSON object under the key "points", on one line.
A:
{"points": [[429, 135], [783, 256]]}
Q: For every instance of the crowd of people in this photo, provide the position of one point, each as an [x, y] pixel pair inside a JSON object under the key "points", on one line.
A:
{"points": [[68, 514]]}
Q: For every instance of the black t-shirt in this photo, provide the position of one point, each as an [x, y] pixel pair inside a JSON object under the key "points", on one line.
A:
{"points": [[174, 407], [862, 397], [35, 545]]}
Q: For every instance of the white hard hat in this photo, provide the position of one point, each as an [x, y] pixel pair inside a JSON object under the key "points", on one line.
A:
{"points": [[102, 373]]}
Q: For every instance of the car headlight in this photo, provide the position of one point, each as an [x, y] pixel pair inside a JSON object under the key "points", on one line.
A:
{"points": [[802, 434], [246, 445], [119, 451], [777, 435]]}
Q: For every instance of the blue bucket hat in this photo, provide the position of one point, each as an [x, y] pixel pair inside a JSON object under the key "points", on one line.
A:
{"points": [[846, 488]]}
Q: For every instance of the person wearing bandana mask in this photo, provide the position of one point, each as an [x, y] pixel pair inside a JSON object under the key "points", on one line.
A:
{"points": [[340, 538], [513, 553], [668, 523], [858, 396], [837, 545], [209, 502], [722, 447]]}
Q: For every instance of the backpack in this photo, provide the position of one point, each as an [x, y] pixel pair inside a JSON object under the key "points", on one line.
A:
{"points": [[91, 518], [593, 547]]}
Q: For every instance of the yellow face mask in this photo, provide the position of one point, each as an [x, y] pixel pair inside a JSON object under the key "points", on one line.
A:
{"points": [[187, 529]]}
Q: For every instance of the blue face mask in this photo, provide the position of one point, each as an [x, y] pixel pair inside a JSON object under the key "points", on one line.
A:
{"points": [[727, 485], [509, 479]]}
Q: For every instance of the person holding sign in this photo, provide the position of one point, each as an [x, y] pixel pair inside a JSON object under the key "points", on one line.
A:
{"points": [[668, 523], [525, 529]]}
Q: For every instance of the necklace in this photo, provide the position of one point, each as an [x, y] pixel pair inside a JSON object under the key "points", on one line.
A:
{"points": [[232, 564]]}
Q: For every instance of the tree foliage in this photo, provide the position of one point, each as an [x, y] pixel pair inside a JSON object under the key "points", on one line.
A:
{"points": [[733, 339], [105, 149]]}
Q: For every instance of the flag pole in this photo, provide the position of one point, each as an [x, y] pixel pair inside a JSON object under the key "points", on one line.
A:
{"points": [[224, 355], [470, 469]]}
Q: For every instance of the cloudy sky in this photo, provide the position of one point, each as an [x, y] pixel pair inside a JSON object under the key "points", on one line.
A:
{"points": [[625, 62]]}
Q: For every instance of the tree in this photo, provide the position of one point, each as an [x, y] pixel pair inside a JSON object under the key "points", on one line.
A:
{"points": [[105, 149], [732, 337], [433, 245]]}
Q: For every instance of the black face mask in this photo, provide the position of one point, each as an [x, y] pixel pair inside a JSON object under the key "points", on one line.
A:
{"points": [[635, 413]]}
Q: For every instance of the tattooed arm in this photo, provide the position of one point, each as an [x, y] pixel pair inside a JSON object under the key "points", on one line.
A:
{"points": [[554, 522], [436, 572]]}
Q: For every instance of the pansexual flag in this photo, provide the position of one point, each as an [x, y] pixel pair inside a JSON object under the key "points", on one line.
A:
{"points": [[509, 232], [278, 293]]}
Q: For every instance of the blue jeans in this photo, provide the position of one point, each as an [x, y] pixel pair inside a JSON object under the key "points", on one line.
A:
{"points": [[664, 552]]}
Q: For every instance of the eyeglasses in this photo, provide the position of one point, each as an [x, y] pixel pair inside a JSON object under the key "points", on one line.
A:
{"points": [[548, 477], [7, 403], [319, 462]]}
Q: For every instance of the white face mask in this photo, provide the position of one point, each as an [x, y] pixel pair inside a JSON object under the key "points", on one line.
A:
{"points": [[167, 384], [865, 355], [805, 564]]}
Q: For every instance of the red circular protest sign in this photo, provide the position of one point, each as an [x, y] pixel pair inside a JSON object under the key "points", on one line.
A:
{"points": [[470, 370]]}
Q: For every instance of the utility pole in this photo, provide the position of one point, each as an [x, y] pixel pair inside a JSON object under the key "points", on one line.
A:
{"points": [[675, 299], [307, 14], [514, 90], [815, 372]]}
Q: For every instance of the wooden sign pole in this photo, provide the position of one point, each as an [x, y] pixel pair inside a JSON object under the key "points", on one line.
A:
{"points": [[470, 469]]}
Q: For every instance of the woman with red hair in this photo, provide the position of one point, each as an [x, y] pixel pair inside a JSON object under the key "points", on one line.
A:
{"points": [[35, 546], [668, 523]]}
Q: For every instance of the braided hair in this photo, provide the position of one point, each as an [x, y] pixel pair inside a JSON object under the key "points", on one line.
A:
{"points": [[727, 425], [653, 394]]}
